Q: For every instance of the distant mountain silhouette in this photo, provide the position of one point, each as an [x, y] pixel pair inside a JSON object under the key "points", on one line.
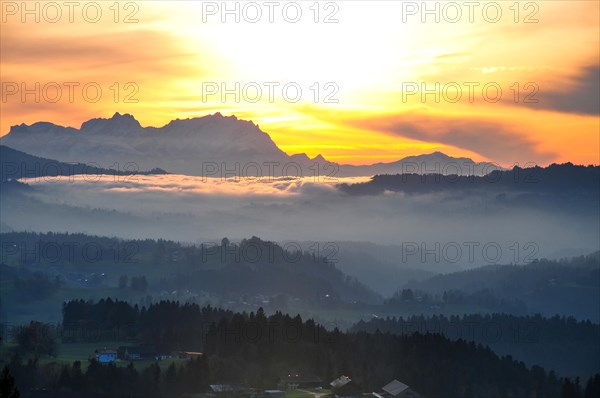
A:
{"points": [[556, 179], [433, 163], [212, 145], [15, 164]]}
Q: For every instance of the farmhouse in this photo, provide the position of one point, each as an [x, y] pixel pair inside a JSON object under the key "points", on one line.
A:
{"points": [[342, 387], [396, 389], [340, 382], [106, 355]]}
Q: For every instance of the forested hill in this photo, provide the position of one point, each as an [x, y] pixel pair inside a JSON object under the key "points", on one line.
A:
{"points": [[565, 345], [570, 287], [226, 269], [257, 266]]}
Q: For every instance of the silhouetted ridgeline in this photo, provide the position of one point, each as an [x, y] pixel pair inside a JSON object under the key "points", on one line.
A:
{"points": [[565, 179], [187, 146], [15, 164], [565, 345]]}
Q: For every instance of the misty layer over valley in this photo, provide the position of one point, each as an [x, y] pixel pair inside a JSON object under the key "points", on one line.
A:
{"points": [[525, 225]]}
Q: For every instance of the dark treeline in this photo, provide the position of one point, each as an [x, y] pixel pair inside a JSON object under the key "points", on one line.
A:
{"points": [[259, 350], [166, 325], [533, 339], [31, 379], [580, 183], [57, 380], [371, 360]]}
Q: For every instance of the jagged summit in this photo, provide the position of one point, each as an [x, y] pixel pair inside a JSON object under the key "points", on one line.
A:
{"points": [[181, 146], [186, 146], [24, 130], [319, 158], [117, 124], [439, 154]]}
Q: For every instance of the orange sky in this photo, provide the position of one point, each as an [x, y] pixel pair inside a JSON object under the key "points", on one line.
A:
{"points": [[370, 61]]}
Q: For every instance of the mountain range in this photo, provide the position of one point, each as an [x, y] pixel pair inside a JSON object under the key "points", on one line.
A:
{"points": [[213, 145]]}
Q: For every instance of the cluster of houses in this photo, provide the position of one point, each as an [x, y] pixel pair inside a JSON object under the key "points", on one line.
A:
{"points": [[138, 353], [342, 387], [289, 383]]}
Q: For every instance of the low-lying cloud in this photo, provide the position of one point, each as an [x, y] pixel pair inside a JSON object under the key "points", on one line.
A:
{"points": [[193, 209]]}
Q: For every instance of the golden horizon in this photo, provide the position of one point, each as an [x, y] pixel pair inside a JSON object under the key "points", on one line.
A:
{"points": [[374, 83]]}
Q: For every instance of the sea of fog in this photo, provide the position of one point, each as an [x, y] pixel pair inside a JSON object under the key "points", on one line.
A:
{"points": [[466, 228]]}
